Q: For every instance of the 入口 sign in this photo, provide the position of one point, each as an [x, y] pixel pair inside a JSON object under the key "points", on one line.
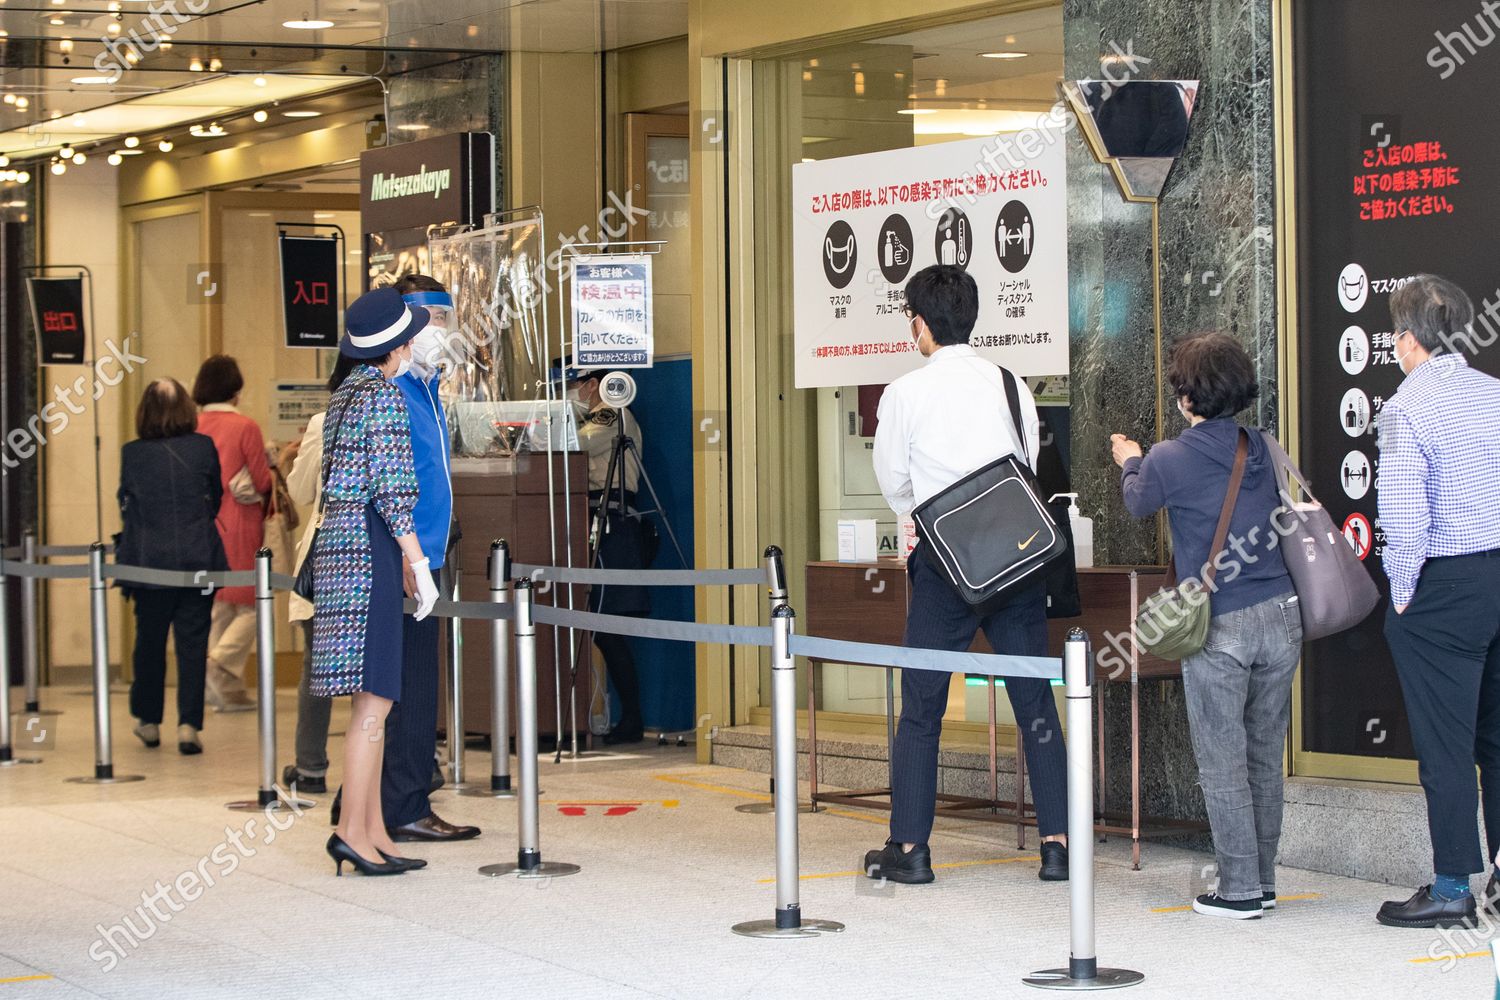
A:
{"points": [[862, 225], [612, 312]]}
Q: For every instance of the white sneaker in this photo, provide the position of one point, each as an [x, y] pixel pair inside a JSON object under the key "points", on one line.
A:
{"points": [[149, 734]]}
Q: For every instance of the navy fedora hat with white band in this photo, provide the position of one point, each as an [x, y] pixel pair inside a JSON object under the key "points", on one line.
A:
{"points": [[378, 322]]}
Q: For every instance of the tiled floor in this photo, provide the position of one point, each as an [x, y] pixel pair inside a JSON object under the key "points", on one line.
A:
{"points": [[668, 866]]}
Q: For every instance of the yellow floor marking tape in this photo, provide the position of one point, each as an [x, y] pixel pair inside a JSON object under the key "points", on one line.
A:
{"points": [[24, 979], [723, 789], [1279, 900], [1445, 958], [946, 864]]}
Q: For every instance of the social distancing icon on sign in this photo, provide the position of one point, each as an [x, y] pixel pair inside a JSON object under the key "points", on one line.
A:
{"points": [[1360, 533]]}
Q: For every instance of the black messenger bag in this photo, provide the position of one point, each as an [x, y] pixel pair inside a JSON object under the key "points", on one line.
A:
{"points": [[990, 533]]}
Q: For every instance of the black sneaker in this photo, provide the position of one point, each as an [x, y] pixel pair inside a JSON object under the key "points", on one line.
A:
{"points": [[295, 780], [1054, 862], [1422, 910], [1492, 895], [1211, 905], [1268, 900], [912, 867]]}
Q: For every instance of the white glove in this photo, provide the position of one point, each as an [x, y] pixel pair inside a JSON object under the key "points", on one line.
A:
{"points": [[427, 592]]}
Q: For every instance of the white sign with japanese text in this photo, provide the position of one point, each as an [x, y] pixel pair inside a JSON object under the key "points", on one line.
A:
{"points": [[612, 312], [293, 404], [862, 225]]}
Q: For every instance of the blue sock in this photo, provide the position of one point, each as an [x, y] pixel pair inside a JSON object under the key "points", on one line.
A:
{"points": [[1448, 888]]}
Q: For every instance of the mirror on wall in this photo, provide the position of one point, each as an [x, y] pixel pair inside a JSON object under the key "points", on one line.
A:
{"points": [[1138, 127]]}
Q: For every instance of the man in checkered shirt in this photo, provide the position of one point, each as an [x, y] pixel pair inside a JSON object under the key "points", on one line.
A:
{"points": [[1439, 492]]}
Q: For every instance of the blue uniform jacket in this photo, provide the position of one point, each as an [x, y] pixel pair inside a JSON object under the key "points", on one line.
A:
{"points": [[430, 452]]}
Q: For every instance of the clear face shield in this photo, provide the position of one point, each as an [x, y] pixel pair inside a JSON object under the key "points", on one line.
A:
{"points": [[430, 348]]}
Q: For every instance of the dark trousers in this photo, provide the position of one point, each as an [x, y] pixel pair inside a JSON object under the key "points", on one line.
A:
{"points": [[411, 727], [186, 612], [1447, 650], [619, 663], [937, 618]]}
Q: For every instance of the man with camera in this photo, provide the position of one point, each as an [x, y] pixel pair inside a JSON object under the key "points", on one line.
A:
{"points": [[622, 540], [936, 426]]}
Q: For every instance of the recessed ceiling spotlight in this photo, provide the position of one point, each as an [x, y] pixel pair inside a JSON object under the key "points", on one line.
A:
{"points": [[165, 145], [24, 176], [57, 22], [23, 102], [10, 98], [115, 159], [132, 141], [4, 160], [214, 65], [79, 159], [79, 121], [1004, 55], [59, 168], [65, 46], [260, 81], [112, 27], [260, 115], [66, 152], [196, 65]]}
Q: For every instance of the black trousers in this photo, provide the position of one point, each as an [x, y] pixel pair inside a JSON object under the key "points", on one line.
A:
{"points": [[185, 612], [619, 663], [937, 618], [411, 726], [1447, 650]]}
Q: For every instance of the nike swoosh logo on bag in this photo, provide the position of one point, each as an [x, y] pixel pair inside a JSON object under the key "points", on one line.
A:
{"points": [[1023, 545]]}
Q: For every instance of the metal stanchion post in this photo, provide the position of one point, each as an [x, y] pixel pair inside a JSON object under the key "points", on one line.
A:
{"points": [[455, 685], [1083, 972], [7, 758], [31, 643], [788, 921], [104, 764], [529, 863], [499, 786], [267, 795], [777, 595]]}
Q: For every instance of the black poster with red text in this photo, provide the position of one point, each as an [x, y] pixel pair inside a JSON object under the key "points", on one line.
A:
{"points": [[311, 301], [57, 315], [1396, 176]]}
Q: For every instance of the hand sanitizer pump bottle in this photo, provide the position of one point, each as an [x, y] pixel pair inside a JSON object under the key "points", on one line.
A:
{"points": [[1083, 532]]}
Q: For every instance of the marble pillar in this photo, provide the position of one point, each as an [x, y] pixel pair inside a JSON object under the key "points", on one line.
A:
{"points": [[1217, 272]]}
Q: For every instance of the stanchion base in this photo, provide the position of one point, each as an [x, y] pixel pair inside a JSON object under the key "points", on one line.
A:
{"points": [[275, 805], [12, 762], [1059, 979], [547, 869], [40, 711], [759, 808], [486, 792], [118, 779], [768, 929]]}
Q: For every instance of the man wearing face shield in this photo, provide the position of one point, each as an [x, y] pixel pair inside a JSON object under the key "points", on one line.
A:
{"points": [[624, 543], [411, 727]]}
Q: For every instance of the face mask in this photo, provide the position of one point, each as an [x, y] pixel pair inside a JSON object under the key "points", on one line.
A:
{"points": [[1401, 361], [1184, 411], [575, 394], [427, 347], [402, 368]]}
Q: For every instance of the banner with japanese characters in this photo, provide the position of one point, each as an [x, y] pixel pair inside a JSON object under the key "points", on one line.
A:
{"points": [[57, 314], [1393, 179], [862, 225], [612, 312]]}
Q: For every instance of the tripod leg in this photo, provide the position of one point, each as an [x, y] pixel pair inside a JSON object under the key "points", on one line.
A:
{"points": [[640, 467]]}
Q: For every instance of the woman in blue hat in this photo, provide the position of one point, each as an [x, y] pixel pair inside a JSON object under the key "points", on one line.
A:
{"points": [[364, 528]]}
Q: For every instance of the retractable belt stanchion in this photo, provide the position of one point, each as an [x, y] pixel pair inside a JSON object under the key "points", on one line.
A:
{"points": [[267, 796], [104, 763], [1083, 972], [7, 757], [499, 787], [777, 596], [788, 921], [455, 684], [31, 643], [529, 863]]}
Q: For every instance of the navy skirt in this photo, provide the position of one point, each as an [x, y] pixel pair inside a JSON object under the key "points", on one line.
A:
{"points": [[382, 673]]}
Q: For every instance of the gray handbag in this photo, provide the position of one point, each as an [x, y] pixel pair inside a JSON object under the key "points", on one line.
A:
{"points": [[1333, 587]]}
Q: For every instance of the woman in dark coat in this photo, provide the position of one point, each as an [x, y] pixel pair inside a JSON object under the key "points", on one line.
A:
{"points": [[169, 494]]}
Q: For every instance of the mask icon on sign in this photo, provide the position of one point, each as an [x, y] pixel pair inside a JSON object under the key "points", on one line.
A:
{"points": [[835, 254], [1353, 289]]}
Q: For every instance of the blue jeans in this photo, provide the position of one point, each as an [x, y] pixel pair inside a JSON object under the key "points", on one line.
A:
{"points": [[1239, 702]]}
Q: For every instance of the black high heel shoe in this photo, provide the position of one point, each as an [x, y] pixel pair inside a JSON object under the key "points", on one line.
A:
{"points": [[340, 852], [410, 864]]}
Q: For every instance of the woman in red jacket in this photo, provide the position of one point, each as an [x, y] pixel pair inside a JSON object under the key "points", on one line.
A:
{"points": [[247, 481]]}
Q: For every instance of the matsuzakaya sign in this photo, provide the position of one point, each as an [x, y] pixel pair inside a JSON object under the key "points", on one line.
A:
{"points": [[448, 178]]}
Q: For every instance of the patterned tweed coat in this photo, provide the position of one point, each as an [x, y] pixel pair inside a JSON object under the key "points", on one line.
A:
{"points": [[369, 462]]}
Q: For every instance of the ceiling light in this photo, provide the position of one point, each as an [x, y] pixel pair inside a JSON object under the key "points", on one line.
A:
{"points": [[65, 46], [196, 65], [917, 111], [413, 127], [59, 168], [132, 141], [165, 145], [165, 44], [324, 215], [307, 24], [90, 81], [301, 114], [24, 176], [66, 152], [260, 115], [10, 98], [214, 65], [79, 121], [1004, 55], [113, 27], [4, 160], [79, 159], [57, 22], [132, 57], [260, 81], [115, 159], [23, 102]]}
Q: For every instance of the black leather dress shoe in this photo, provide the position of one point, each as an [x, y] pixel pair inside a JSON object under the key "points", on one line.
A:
{"points": [[1491, 899], [295, 779], [1054, 862], [1424, 911], [912, 867], [431, 828]]}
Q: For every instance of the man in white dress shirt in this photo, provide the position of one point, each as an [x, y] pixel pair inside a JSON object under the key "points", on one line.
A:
{"points": [[936, 425]]}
